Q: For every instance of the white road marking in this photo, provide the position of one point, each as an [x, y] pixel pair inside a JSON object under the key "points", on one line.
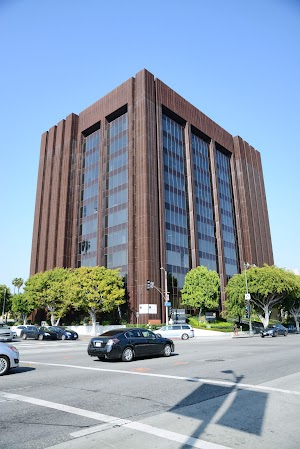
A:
{"points": [[114, 421], [165, 376]]}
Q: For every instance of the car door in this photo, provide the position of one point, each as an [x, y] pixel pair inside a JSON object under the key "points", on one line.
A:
{"points": [[136, 340], [151, 344], [31, 332]]}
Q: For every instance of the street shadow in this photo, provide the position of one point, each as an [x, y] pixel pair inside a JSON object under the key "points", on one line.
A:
{"points": [[20, 370], [229, 406]]}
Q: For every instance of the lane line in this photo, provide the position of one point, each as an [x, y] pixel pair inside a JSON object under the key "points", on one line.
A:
{"points": [[226, 383], [115, 422]]}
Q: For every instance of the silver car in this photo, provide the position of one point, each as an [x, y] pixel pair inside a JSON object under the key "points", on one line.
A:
{"points": [[9, 358], [184, 331], [6, 334]]}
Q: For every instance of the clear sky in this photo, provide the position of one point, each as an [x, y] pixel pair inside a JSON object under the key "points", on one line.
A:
{"points": [[237, 61]]}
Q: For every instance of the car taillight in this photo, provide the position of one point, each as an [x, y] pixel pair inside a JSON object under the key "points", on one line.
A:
{"points": [[112, 341]]}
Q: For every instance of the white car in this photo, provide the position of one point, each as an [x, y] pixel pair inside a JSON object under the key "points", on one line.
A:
{"points": [[183, 331], [18, 329], [9, 358]]}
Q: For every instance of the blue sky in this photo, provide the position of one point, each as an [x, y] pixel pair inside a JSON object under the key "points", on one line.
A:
{"points": [[237, 61]]}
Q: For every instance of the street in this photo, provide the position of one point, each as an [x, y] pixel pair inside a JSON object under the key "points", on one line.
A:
{"points": [[212, 393]]}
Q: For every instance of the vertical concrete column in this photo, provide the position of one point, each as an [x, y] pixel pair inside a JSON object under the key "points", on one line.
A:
{"points": [[193, 238], [216, 200], [146, 197], [35, 250]]}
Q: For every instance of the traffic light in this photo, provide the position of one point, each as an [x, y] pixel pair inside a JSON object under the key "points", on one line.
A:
{"points": [[247, 309], [148, 284]]}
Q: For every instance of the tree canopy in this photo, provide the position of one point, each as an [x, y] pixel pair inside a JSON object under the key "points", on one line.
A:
{"points": [[95, 290], [268, 287], [22, 306], [49, 290], [17, 282], [291, 304], [201, 288]]}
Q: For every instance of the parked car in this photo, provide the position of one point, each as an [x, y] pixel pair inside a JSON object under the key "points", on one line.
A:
{"points": [[6, 334], [63, 334], [38, 333], [18, 329], [125, 344], [184, 331], [273, 330], [9, 358]]}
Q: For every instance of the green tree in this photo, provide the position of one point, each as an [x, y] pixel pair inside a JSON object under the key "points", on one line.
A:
{"points": [[17, 282], [49, 290], [268, 286], [201, 289], [95, 290], [5, 299], [22, 306], [292, 302]]}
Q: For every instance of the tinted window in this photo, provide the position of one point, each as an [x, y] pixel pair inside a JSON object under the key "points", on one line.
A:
{"points": [[112, 332], [186, 327], [134, 333], [148, 334]]}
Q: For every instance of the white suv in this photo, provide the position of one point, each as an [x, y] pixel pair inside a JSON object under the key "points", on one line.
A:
{"points": [[184, 331]]}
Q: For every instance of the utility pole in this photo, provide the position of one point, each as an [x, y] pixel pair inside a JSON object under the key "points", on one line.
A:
{"points": [[4, 297]]}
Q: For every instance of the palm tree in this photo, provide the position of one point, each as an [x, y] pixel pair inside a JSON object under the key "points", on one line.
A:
{"points": [[17, 282]]}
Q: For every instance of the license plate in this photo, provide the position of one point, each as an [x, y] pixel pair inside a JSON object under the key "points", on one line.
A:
{"points": [[98, 343]]}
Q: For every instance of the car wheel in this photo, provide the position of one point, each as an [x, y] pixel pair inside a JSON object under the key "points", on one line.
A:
{"points": [[4, 364], [262, 336], [41, 337], [127, 355], [167, 350], [184, 336], [24, 336], [63, 337], [285, 334]]}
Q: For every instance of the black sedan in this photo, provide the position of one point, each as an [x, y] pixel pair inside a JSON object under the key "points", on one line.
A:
{"points": [[273, 330], [63, 334], [125, 344], [38, 333]]}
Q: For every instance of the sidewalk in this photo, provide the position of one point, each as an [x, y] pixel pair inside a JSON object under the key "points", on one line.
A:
{"points": [[209, 333]]}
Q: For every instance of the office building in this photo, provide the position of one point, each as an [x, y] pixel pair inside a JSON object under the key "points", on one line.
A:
{"points": [[144, 181]]}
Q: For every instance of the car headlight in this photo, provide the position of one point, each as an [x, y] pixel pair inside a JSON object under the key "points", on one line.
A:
{"points": [[14, 349], [46, 333], [68, 333]]}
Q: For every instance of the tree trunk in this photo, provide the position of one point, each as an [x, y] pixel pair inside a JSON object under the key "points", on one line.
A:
{"points": [[92, 314], [266, 317]]}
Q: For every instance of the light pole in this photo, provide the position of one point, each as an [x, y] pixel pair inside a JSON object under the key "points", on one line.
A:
{"points": [[166, 293], [4, 296], [247, 295]]}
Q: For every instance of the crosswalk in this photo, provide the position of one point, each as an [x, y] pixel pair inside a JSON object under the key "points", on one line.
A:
{"points": [[48, 344]]}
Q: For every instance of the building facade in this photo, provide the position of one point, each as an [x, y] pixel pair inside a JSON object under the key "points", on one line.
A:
{"points": [[143, 181]]}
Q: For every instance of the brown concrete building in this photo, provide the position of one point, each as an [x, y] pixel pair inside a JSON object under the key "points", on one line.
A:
{"points": [[144, 181]]}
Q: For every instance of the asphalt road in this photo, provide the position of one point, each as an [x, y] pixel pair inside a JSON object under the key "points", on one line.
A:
{"points": [[213, 393]]}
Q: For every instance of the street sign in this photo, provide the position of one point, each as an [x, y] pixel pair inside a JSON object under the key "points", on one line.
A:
{"points": [[247, 296], [168, 304]]}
